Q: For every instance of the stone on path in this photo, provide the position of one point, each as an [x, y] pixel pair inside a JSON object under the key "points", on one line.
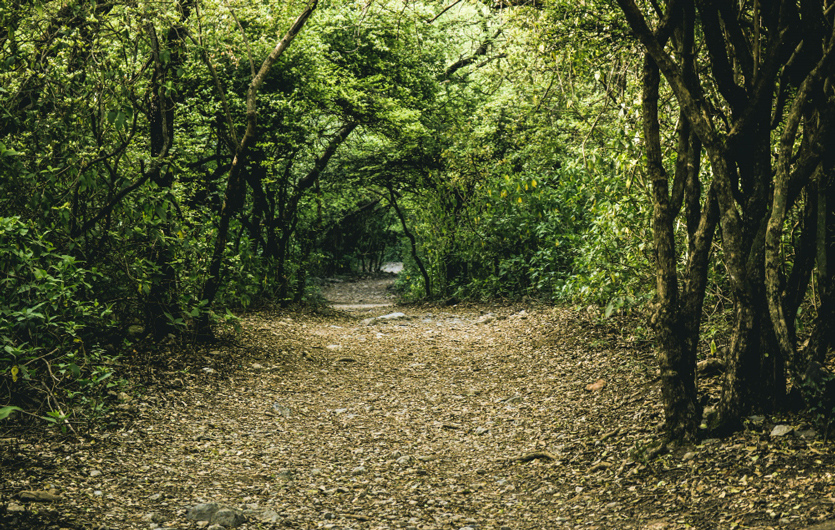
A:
{"points": [[202, 512], [807, 434], [228, 518], [390, 316], [781, 430], [597, 386], [281, 410]]}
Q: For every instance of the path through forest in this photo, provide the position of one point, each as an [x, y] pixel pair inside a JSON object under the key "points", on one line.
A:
{"points": [[476, 417]]}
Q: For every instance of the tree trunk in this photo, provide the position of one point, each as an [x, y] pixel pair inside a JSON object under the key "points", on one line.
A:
{"points": [[233, 198], [427, 284]]}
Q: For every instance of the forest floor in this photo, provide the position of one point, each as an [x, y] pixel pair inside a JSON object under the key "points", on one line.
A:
{"points": [[476, 417]]}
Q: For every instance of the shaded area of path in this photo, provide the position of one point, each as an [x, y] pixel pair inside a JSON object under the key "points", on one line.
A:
{"points": [[487, 418]]}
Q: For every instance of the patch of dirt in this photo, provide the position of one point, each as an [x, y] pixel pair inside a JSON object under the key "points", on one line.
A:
{"points": [[360, 293], [475, 416]]}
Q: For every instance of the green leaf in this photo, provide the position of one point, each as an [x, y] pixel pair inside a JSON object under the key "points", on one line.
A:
{"points": [[5, 411], [76, 371]]}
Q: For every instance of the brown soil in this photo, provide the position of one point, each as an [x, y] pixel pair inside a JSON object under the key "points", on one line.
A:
{"points": [[487, 417]]}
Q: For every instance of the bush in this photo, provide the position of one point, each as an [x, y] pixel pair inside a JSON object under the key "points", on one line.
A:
{"points": [[50, 325]]}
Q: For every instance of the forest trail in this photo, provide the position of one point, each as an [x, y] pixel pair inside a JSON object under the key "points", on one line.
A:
{"points": [[469, 417]]}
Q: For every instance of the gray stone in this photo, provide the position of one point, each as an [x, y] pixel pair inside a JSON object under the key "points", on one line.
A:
{"points": [[807, 434], [153, 517], [95, 473], [281, 410], [781, 430], [390, 316], [688, 456], [359, 470], [268, 516], [404, 460], [228, 517], [155, 497], [209, 370], [202, 512], [481, 430]]}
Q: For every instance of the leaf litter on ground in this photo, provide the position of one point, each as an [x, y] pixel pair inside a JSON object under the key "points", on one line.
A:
{"points": [[533, 418]]}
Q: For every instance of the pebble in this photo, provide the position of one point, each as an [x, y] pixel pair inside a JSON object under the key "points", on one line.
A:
{"points": [[281, 409], [807, 434], [404, 460], [688, 456], [155, 497], [95, 473], [359, 470], [228, 517], [153, 517], [268, 516], [202, 512], [781, 430]]}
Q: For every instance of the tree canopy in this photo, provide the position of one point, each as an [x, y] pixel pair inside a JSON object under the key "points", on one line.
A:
{"points": [[164, 165]]}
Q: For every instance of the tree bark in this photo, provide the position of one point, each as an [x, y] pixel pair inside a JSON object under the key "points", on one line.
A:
{"points": [[233, 198], [427, 283]]}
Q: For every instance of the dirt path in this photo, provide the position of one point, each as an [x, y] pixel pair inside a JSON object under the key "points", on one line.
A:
{"points": [[477, 418]]}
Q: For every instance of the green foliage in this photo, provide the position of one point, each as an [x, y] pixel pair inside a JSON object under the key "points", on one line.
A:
{"points": [[51, 324], [5, 412]]}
